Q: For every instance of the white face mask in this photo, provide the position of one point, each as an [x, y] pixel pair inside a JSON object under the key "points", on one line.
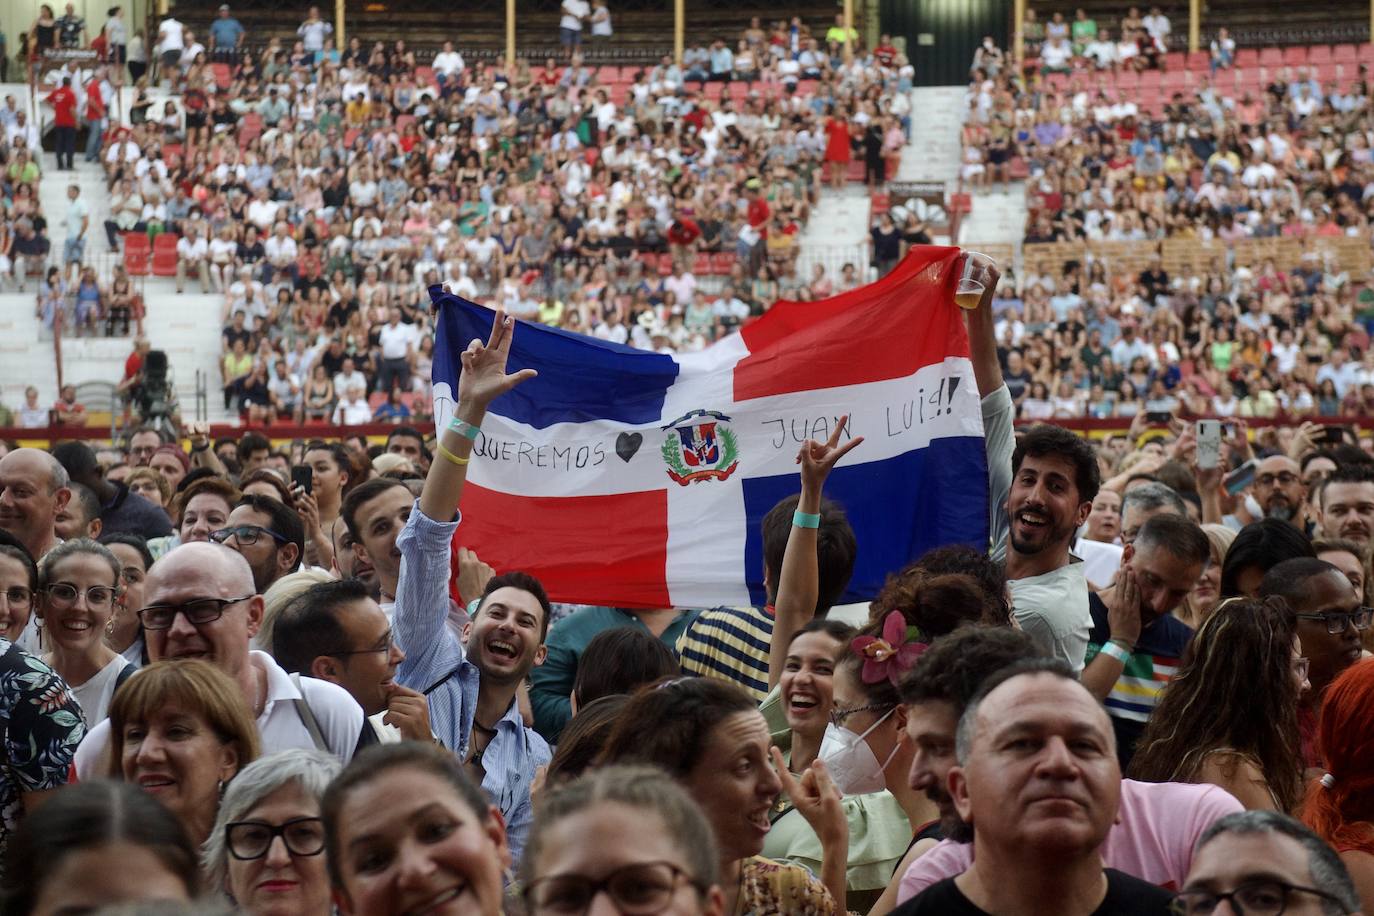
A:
{"points": [[852, 764]]}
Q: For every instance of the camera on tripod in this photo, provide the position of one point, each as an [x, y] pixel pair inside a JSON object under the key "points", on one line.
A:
{"points": [[154, 393]]}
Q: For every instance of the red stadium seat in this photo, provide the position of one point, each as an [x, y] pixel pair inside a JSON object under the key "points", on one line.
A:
{"points": [[1019, 169], [665, 264], [1319, 54], [722, 262], [1345, 54], [855, 172], [1247, 57], [1175, 60], [424, 76], [960, 203], [1199, 60], [806, 87], [137, 251], [701, 264], [403, 120], [351, 135], [1127, 81], [1271, 57], [1295, 55], [880, 203], [165, 255], [223, 76]]}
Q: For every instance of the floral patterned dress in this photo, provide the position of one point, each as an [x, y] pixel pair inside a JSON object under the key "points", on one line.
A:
{"points": [[768, 887], [42, 726]]}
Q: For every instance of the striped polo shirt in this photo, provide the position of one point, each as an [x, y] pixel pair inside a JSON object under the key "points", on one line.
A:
{"points": [[730, 644]]}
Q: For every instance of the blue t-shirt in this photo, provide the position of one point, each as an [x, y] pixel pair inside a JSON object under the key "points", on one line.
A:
{"points": [[225, 32]]}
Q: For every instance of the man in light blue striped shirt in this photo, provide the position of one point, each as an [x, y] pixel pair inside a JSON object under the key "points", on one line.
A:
{"points": [[472, 690]]}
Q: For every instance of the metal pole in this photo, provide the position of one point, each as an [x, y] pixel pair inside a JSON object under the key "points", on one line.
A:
{"points": [[1018, 40], [680, 28], [1195, 22], [339, 37], [849, 30], [510, 34]]}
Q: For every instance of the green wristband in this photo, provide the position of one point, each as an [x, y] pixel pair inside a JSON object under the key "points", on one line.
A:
{"points": [[806, 519], [464, 429]]}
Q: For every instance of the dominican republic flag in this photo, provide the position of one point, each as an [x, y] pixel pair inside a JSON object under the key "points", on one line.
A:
{"points": [[636, 479]]}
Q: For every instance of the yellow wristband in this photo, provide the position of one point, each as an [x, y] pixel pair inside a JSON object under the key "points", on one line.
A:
{"points": [[452, 457]]}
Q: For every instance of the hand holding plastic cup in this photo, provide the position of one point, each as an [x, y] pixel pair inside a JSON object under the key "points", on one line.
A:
{"points": [[973, 281]]}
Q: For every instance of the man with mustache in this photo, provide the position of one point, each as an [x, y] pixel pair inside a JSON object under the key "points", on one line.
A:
{"points": [[1280, 491], [1037, 778], [1157, 823], [1347, 505]]}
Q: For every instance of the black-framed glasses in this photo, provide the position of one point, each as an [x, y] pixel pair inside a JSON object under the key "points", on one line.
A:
{"points": [[98, 597], [196, 611], [303, 836], [637, 890], [18, 596], [246, 535], [1285, 479], [383, 645], [1337, 622], [1253, 898], [837, 716]]}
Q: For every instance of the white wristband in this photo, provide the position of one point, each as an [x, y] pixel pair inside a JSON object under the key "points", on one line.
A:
{"points": [[1112, 650]]}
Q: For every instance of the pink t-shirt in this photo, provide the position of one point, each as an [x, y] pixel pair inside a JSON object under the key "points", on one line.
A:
{"points": [[1157, 827]]}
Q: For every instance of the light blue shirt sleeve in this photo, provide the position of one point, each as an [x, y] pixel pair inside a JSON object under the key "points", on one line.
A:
{"points": [[419, 621]]}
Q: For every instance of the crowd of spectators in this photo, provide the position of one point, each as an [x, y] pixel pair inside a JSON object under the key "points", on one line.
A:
{"points": [[1205, 252], [1149, 692], [320, 192]]}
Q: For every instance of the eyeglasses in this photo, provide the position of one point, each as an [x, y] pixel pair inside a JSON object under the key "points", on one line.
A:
{"points": [[1253, 898], [636, 890], [197, 612], [1286, 479], [303, 836], [98, 597], [1337, 622], [837, 716], [383, 645], [18, 596], [246, 535]]}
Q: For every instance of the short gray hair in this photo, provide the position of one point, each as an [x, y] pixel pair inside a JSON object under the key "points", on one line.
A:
{"points": [[311, 770], [1153, 495], [968, 722], [1329, 872]]}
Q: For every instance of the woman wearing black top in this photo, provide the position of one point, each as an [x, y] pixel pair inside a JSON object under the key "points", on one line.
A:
{"points": [[887, 245], [43, 34]]}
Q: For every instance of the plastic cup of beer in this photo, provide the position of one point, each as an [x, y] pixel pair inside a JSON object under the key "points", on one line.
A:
{"points": [[973, 281]]}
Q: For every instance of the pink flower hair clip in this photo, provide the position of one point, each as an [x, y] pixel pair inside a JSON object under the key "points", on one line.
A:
{"points": [[891, 655]]}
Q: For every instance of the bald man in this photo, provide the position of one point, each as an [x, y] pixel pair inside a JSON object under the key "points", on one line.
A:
{"points": [[34, 488], [199, 602]]}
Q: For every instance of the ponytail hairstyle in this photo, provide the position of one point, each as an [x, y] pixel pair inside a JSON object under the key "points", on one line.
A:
{"points": [[1340, 806]]}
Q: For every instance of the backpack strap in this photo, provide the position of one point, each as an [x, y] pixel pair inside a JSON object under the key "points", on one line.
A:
{"points": [[312, 725]]}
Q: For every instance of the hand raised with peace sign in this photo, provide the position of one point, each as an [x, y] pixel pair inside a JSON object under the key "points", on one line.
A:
{"points": [[817, 459], [484, 377]]}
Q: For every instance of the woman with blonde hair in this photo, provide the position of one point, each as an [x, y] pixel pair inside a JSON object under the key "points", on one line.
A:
{"points": [[1203, 599], [180, 730]]}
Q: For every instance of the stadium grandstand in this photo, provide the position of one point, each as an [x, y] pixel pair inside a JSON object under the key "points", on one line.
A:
{"points": [[260, 195]]}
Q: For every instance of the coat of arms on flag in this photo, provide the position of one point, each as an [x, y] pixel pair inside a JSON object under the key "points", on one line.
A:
{"points": [[640, 479], [700, 446]]}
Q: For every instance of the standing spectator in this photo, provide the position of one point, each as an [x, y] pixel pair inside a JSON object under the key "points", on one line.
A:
{"points": [[601, 22], [71, 29], [63, 103], [837, 146], [226, 36], [138, 61], [1158, 28], [398, 344], [43, 32], [313, 32], [193, 251], [171, 41], [117, 41], [886, 243], [75, 221], [95, 114], [570, 26]]}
